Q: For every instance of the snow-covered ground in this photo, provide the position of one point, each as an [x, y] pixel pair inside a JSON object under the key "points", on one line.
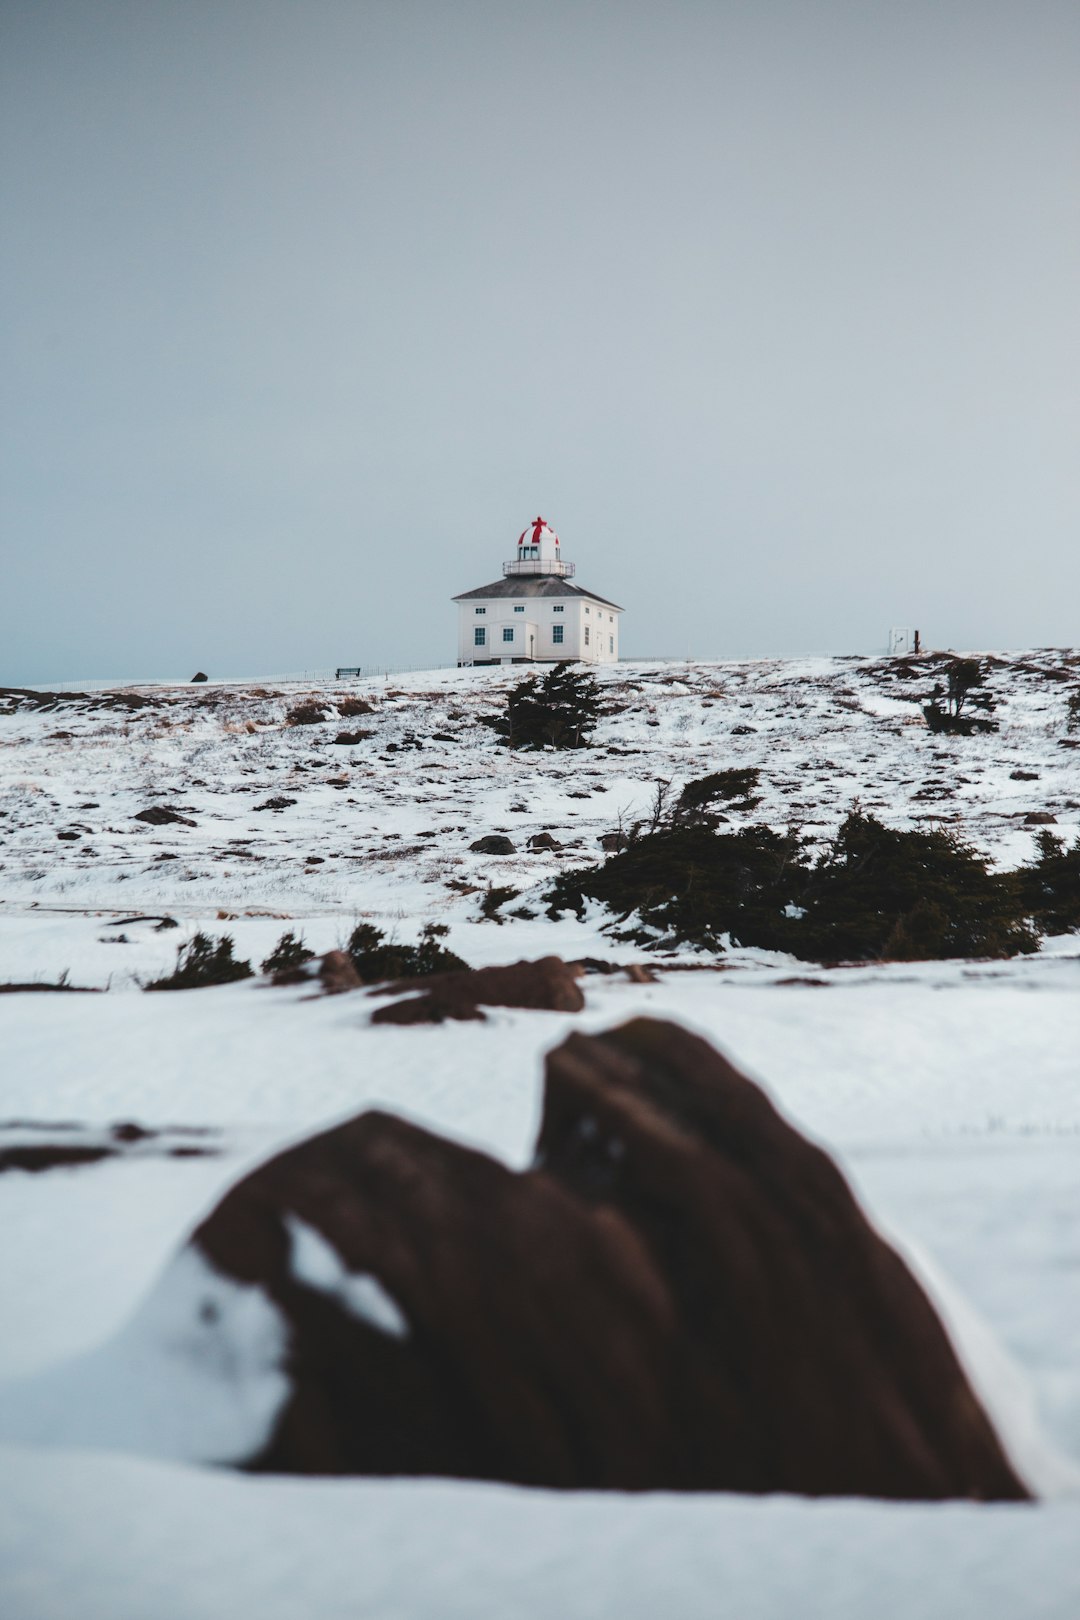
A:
{"points": [[950, 1093]]}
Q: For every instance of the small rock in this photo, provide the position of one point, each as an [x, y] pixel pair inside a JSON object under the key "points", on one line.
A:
{"points": [[200, 676], [128, 1131], [336, 973], [159, 815], [544, 840], [1039, 818]]}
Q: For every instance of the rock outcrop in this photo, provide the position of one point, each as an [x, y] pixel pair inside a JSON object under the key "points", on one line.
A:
{"points": [[160, 815], [548, 985], [682, 1294]]}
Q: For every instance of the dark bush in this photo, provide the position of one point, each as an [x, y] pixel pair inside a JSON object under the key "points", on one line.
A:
{"points": [[308, 713], [1051, 884], [202, 962], [698, 799], [346, 739], [288, 954], [558, 711], [494, 898], [883, 894], [349, 707], [1072, 721], [695, 885], [964, 678], [377, 959], [877, 894]]}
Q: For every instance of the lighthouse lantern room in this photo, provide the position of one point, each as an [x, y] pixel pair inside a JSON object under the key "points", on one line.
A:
{"points": [[534, 614]]}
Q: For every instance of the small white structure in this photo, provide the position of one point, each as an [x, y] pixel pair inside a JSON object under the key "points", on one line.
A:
{"points": [[534, 615]]}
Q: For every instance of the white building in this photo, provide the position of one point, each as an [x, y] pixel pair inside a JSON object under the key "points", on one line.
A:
{"points": [[534, 614]]}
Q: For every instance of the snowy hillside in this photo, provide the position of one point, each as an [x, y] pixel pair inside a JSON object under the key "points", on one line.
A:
{"points": [[283, 820], [948, 1091]]}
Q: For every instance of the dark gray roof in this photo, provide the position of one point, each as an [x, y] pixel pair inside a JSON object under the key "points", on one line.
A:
{"points": [[534, 585]]}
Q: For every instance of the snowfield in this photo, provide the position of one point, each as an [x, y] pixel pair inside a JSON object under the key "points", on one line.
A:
{"points": [[948, 1092]]}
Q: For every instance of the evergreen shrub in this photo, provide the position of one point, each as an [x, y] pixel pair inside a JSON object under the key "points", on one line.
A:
{"points": [[559, 710], [288, 954], [495, 897], [879, 893], [1051, 884], [203, 962], [964, 680], [876, 894], [377, 958], [697, 801], [692, 885]]}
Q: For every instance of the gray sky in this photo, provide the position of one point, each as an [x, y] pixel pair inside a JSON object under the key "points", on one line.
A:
{"points": [[770, 308]]}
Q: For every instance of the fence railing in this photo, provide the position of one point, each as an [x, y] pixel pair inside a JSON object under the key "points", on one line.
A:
{"points": [[537, 565]]}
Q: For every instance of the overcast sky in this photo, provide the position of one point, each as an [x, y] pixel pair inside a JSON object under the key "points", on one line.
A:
{"points": [[771, 309]]}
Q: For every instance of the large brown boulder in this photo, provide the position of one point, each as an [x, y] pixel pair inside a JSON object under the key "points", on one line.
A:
{"points": [[810, 1359], [681, 1294], [493, 844]]}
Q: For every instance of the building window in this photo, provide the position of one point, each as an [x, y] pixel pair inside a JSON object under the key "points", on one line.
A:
{"points": [[586, 610], [586, 632], [479, 636], [611, 644], [480, 610], [557, 632], [556, 610], [508, 632], [611, 618], [519, 610]]}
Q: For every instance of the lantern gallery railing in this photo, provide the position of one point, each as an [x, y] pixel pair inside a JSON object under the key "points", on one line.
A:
{"points": [[565, 570]]}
